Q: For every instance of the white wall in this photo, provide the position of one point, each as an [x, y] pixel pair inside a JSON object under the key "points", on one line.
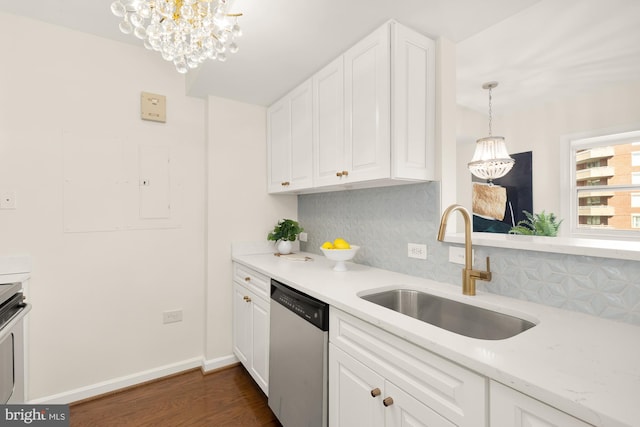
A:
{"points": [[98, 297], [539, 129], [446, 147], [238, 209]]}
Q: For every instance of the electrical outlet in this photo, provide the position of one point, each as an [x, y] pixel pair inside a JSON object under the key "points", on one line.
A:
{"points": [[172, 316], [456, 255], [416, 250], [303, 237]]}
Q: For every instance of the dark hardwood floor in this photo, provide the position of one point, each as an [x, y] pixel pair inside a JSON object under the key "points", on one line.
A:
{"points": [[228, 397]]}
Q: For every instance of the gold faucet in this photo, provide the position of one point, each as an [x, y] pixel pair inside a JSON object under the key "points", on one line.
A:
{"points": [[469, 275]]}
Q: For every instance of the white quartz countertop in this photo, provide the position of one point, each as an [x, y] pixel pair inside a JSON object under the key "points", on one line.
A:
{"points": [[584, 365]]}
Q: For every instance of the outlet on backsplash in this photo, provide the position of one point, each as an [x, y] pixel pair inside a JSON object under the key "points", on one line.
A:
{"points": [[418, 251], [456, 255]]}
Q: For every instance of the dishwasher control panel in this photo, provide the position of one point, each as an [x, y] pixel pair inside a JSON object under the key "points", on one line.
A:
{"points": [[311, 309]]}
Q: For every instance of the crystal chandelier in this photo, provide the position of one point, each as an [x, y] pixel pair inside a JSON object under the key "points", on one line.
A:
{"points": [[186, 32], [491, 159]]}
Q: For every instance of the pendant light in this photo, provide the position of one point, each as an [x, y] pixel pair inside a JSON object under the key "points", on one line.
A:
{"points": [[491, 159]]}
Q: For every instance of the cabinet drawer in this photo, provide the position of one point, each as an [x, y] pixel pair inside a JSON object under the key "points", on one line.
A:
{"points": [[454, 392], [510, 407], [256, 282]]}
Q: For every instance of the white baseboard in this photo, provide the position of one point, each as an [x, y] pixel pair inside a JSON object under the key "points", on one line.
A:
{"points": [[121, 382], [219, 362]]}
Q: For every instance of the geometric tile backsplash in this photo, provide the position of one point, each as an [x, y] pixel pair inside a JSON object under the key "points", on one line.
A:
{"points": [[383, 220]]}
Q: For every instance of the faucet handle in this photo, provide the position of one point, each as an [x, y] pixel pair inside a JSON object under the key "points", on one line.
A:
{"points": [[486, 275]]}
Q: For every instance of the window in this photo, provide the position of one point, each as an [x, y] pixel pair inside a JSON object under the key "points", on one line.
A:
{"points": [[593, 220], [594, 201], [605, 185]]}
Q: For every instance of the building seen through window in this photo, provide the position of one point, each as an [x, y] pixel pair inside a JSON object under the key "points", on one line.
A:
{"points": [[607, 185]]}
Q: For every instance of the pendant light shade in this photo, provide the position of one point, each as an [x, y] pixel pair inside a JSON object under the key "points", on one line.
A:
{"points": [[491, 159]]}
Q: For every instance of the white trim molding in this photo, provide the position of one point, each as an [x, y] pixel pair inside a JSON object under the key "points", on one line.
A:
{"points": [[219, 362], [617, 249], [114, 384]]}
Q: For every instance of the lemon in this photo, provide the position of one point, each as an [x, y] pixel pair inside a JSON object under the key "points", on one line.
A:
{"points": [[340, 243], [327, 245]]}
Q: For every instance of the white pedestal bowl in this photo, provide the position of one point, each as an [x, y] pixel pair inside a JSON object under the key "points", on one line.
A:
{"points": [[340, 256]]}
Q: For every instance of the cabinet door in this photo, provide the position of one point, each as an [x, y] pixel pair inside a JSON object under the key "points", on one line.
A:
{"points": [[352, 399], [514, 409], [406, 411], [328, 131], [452, 391], [241, 324], [279, 145], [301, 154], [367, 71], [259, 367], [413, 105]]}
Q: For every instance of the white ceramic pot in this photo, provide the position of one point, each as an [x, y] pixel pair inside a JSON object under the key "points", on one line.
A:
{"points": [[284, 247]]}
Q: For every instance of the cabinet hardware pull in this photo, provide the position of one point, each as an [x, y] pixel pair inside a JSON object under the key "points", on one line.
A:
{"points": [[375, 392], [345, 173], [246, 298], [285, 183], [388, 401], [338, 174], [247, 279]]}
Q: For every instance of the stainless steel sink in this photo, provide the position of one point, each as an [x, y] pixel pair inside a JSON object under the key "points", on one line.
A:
{"points": [[454, 316]]}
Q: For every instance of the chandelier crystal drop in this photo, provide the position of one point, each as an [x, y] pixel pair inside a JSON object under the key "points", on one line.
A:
{"points": [[185, 32], [491, 159]]}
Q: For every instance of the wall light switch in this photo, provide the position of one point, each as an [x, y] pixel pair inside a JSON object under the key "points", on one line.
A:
{"points": [[303, 237], [153, 107], [7, 200]]}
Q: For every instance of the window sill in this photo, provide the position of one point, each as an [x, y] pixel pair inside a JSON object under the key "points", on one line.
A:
{"points": [[617, 249]]}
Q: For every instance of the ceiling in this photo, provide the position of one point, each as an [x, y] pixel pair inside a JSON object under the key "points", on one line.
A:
{"points": [[534, 48], [555, 48]]}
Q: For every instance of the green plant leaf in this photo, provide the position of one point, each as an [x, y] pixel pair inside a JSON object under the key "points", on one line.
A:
{"points": [[286, 229], [540, 224]]}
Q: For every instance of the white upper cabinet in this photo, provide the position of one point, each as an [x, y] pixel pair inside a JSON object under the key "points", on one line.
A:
{"points": [[373, 117], [367, 77], [413, 105], [328, 119], [289, 136]]}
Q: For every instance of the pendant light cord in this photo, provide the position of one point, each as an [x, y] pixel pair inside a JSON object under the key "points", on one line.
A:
{"points": [[490, 111]]}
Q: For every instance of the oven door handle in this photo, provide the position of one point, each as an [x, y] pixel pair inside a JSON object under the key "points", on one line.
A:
{"points": [[7, 328]]}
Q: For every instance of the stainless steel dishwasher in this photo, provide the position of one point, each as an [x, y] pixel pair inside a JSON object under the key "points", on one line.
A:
{"points": [[298, 363]]}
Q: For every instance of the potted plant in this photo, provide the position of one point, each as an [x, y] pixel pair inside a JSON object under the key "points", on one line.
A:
{"points": [[285, 232], [539, 224]]}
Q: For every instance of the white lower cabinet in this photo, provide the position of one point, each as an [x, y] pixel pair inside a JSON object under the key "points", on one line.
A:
{"points": [[379, 379], [510, 408], [361, 397], [251, 331], [353, 399]]}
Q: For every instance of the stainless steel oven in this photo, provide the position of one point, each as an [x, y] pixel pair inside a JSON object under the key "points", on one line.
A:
{"points": [[12, 357]]}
